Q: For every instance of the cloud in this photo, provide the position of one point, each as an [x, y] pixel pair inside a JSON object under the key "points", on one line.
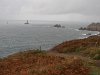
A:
{"points": [[20, 9], [88, 7]]}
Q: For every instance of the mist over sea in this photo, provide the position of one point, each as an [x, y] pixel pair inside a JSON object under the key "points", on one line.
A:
{"points": [[16, 36]]}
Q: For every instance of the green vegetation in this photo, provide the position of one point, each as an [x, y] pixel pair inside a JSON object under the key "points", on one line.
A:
{"points": [[92, 52], [95, 71]]}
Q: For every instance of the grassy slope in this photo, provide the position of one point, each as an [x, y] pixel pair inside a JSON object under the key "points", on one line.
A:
{"points": [[41, 63], [87, 47]]}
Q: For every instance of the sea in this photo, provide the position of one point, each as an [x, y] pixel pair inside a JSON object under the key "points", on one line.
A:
{"points": [[15, 36]]}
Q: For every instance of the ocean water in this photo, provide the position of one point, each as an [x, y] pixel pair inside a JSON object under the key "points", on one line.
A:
{"points": [[17, 36]]}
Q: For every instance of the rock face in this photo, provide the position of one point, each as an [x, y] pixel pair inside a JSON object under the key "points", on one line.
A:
{"points": [[94, 27], [91, 27], [83, 28]]}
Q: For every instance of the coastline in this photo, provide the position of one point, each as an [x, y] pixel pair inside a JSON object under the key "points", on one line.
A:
{"points": [[18, 50], [67, 57]]}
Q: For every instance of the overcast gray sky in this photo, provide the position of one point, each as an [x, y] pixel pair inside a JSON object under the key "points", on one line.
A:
{"points": [[64, 10]]}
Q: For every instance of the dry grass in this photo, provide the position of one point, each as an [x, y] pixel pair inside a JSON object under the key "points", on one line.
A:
{"points": [[87, 47], [77, 45], [40, 63]]}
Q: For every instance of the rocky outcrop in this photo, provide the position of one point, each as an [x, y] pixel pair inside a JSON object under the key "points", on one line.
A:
{"points": [[91, 27], [94, 27], [58, 26], [83, 28]]}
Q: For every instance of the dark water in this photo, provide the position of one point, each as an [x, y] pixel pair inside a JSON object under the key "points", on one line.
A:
{"points": [[17, 36]]}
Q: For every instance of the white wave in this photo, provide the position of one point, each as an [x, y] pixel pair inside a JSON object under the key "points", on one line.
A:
{"points": [[82, 37], [84, 34], [77, 29], [97, 33]]}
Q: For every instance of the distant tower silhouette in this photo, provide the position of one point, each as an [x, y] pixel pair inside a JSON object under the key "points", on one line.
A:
{"points": [[26, 22]]}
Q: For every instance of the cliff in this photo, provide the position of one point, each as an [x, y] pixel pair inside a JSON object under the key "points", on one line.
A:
{"points": [[91, 27], [94, 27]]}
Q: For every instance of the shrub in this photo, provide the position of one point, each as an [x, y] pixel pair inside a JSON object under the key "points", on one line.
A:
{"points": [[95, 71], [93, 52], [97, 57]]}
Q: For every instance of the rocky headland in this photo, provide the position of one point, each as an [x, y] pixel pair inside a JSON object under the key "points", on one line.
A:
{"points": [[91, 27]]}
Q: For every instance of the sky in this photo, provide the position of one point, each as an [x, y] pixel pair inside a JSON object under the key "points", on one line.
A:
{"points": [[57, 10]]}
